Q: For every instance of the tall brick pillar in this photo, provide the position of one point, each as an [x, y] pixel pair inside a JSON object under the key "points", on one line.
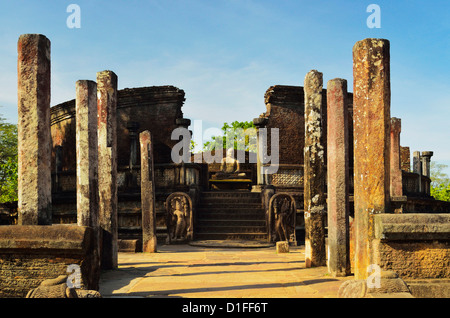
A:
{"points": [[338, 178], [149, 243], [396, 169], [371, 115], [107, 165], [34, 139], [314, 172]]}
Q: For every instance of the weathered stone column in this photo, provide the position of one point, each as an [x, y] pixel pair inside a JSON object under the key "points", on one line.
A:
{"points": [[133, 137], [405, 159], [314, 172], [149, 243], [417, 168], [417, 164], [371, 116], [107, 165], [338, 178], [259, 123], [426, 163], [87, 153], [396, 170], [34, 139]]}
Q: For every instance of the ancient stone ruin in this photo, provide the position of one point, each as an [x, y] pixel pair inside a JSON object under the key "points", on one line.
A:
{"points": [[96, 177]]}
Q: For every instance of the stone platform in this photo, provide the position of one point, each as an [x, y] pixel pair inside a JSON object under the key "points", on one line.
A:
{"points": [[199, 272], [231, 244]]}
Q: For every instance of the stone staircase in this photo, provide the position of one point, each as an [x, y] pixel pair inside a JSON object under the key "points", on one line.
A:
{"points": [[230, 215]]}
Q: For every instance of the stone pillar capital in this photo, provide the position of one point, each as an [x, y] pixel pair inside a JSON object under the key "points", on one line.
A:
{"points": [[427, 154], [396, 125], [260, 122]]}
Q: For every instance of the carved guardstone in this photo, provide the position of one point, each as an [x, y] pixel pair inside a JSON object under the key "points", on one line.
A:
{"points": [[282, 213], [179, 218]]}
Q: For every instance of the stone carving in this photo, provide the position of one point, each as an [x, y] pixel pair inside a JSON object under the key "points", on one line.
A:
{"points": [[390, 284], [57, 288], [293, 178], [282, 211], [179, 218], [229, 168]]}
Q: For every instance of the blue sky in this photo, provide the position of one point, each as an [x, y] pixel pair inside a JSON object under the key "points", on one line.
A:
{"points": [[226, 53]]}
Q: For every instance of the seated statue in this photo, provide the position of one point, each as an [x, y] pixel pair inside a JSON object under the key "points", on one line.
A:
{"points": [[229, 168]]}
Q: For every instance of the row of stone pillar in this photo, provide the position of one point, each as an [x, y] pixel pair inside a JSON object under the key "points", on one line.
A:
{"points": [[95, 147], [371, 111], [377, 167]]}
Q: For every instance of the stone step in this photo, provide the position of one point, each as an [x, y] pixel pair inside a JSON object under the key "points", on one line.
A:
{"points": [[230, 194], [231, 222], [230, 208], [231, 236], [217, 217], [232, 229], [230, 215], [220, 200], [230, 211]]}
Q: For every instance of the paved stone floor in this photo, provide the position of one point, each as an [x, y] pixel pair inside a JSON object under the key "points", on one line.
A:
{"points": [[205, 272]]}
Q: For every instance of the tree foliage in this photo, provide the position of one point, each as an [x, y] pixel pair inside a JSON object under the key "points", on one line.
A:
{"points": [[440, 182], [8, 161], [238, 135]]}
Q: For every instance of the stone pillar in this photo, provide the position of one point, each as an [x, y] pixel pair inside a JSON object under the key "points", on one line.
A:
{"points": [[314, 172], [405, 160], [417, 164], [417, 168], [426, 163], [107, 165], [87, 153], [34, 139], [147, 194], [133, 137], [259, 123], [396, 169], [338, 178], [371, 116]]}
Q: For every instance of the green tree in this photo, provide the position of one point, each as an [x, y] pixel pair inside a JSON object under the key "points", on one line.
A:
{"points": [[238, 135], [8, 161], [440, 182]]}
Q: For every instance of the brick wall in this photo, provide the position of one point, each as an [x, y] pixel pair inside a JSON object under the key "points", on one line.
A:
{"points": [[285, 111], [154, 108]]}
